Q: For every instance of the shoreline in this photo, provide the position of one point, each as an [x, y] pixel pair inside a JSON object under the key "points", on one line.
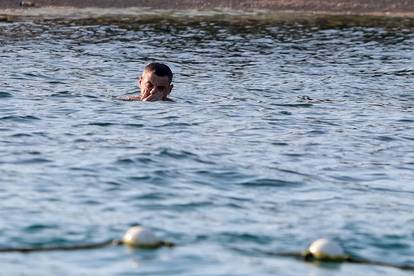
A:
{"points": [[384, 8]]}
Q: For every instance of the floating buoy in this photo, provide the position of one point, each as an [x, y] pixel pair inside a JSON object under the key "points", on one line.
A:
{"points": [[138, 236], [27, 4], [326, 250]]}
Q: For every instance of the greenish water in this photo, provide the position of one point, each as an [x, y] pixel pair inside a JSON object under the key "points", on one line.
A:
{"points": [[281, 133]]}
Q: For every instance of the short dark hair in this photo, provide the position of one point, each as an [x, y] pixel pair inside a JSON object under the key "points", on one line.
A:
{"points": [[160, 69]]}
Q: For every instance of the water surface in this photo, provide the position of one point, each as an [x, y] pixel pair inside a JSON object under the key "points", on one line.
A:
{"points": [[281, 133]]}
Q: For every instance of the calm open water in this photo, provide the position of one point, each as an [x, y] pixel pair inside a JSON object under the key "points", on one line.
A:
{"points": [[281, 133]]}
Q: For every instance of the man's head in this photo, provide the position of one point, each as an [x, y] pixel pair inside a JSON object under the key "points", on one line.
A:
{"points": [[155, 82]]}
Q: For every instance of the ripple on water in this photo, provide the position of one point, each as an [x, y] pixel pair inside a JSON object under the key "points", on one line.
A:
{"points": [[269, 182], [64, 94], [101, 124], [39, 227], [133, 125], [38, 160], [273, 123], [171, 153], [5, 95], [134, 160], [20, 119], [235, 238], [20, 135]]}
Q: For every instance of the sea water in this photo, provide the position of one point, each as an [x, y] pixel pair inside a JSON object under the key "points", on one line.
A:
{"points": [[280, 133]]}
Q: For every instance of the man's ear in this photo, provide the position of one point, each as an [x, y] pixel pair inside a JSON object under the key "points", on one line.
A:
{"points": [[171, 87], [139, 81]]}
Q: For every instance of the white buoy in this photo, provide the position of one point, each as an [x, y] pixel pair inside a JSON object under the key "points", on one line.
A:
{"points": [[324, 249], [138, 236]]}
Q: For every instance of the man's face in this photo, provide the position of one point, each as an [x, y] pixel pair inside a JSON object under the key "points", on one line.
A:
{"points": [[153, 87]]}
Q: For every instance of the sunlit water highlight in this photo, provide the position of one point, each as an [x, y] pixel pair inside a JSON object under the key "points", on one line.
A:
{"points": [[280, 133]]}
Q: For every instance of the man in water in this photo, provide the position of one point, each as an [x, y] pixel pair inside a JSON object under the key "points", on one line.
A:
{"points": [[155, 84]]}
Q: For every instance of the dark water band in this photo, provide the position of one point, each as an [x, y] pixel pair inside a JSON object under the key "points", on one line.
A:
{"points": [[305, 256], [309, 257], [85, 246], [337, 6], [60, 247]]}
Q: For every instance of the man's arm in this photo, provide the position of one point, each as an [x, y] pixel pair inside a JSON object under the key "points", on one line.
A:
{"points": [[129, 98]]}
